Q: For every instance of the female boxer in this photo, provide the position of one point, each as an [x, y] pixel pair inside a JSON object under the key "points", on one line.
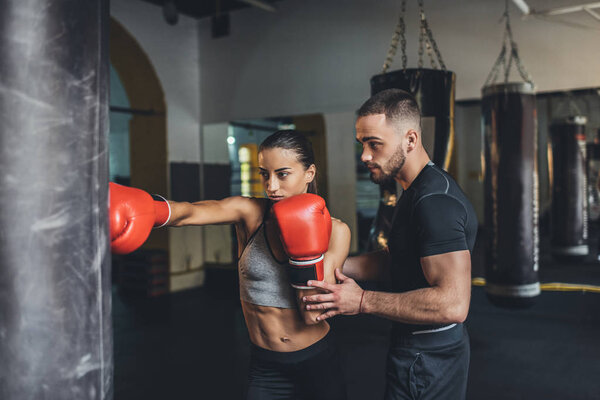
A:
{"points": [[292, 353]]}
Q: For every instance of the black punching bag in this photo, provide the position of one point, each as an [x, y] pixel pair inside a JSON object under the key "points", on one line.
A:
{"points": [[511, 194], [55, 297], [378, 234], [569, 200], [434, 91]]}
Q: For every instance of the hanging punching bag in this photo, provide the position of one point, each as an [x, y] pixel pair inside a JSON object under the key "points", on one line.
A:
{"points": [[511, 194], [434, 91], [55, 290], [569, 200], [593, 179], [378, 234]]}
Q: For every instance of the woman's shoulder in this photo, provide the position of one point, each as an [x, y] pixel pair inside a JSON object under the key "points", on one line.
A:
{"points": [[339, 227], [248, 204], [249, 210]]}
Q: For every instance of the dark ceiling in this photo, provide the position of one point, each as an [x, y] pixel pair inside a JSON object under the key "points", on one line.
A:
{"points": [[205, 8]]}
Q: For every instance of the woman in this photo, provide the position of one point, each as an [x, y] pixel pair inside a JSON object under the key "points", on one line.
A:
{"points": [[292, 354]]}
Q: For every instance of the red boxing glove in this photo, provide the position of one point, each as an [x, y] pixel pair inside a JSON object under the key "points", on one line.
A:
{"points": [[305, 227], [132, 214]]}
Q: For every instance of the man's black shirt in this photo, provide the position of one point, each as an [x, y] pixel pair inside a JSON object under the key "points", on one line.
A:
{"points": [[433, 216]]}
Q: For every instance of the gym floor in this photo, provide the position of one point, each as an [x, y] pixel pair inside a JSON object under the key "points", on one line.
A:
{"points": [[194, 345]]}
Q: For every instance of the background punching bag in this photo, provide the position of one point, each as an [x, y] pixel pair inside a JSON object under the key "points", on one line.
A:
{"points": [[434, 91], [378, 234], [511, 193], [569, 188], [55, 297]]}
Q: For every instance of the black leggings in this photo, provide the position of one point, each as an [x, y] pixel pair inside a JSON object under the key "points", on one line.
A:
{"points": [[312, 373]]}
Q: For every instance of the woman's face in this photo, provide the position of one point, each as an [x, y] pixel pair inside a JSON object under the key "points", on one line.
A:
{"points": [[282, 174]]}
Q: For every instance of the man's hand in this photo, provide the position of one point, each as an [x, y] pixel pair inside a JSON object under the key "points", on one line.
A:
{"points": [[343, 298]]}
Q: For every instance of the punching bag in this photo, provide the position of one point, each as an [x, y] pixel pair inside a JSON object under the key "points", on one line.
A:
{"points": [[511, 194], [434, 91], [55, 291], [378, 234], [593, 180], [569, 200]]}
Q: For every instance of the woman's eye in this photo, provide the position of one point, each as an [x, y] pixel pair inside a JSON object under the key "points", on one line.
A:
{"points": [[283, 174], [264, 175]]}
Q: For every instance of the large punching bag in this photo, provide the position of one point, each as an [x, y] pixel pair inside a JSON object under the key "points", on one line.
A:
{"points": [[434, 91], [511, 194], [569, 188], [55, 297]]}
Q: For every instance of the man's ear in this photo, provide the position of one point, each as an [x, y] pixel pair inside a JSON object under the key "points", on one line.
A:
{"points": [[412, 139]]}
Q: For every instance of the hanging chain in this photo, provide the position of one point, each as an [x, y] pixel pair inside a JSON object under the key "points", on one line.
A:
{"points": [[421, 36], [399, 35], [513, 55], [426, 41], [426, 35], [435, 47], [403, 35]]}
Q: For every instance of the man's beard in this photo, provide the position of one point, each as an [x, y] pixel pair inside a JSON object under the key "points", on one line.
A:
{"points": [[394, 165]]}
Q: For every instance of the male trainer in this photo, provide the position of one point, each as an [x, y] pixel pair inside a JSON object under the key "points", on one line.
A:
{"points": [[428, 258]]}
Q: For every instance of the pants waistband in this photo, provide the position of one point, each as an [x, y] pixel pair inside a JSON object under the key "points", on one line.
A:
{"points": [[293, 356], [435, 337]]}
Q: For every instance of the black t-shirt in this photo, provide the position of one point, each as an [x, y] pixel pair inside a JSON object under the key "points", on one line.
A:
{"points": [[433, 216]]}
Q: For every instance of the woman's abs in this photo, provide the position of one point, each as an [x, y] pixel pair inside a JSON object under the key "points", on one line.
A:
{"points": [[280, 329]]}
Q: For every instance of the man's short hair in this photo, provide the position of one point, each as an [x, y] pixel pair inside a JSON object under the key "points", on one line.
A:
{"points": [[400, 108]]}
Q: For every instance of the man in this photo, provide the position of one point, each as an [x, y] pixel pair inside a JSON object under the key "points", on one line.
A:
{"points": [[428, 258]]}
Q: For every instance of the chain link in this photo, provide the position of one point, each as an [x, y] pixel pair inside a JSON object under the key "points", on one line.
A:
{"points": [[399, 35], [403, 36], [435, 47], [425, 40], [513, 55], [421, 36]]}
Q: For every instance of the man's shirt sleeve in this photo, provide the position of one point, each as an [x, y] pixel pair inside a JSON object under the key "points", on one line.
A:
{"points": [[440, 221]]}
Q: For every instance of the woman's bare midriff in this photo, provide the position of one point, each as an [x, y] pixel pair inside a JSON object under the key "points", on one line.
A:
{"points": [[281, 329]]}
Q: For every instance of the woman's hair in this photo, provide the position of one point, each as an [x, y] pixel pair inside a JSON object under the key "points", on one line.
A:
{"points": [[296, 142]]}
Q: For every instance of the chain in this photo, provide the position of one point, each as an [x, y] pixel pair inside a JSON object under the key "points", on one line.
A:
{"points": [[399, 35], [430, 53], [426, 41], [403, 36], [426, 35], [435, 47], [421, 36], [513, 54]]}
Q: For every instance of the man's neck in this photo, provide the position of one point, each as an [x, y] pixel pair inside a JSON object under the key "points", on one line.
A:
{"points": [[411, 169]]}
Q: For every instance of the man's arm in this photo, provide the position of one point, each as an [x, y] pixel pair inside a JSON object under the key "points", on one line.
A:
{"points": [[446, 301], [374, 266]]}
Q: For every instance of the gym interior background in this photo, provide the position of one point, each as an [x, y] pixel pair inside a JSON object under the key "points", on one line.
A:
{"points": [[195, 87]]}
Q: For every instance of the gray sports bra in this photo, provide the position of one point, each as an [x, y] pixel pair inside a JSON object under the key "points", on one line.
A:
{"points": [[263, 279]]}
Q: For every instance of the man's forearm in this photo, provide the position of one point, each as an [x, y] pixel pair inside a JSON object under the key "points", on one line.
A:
{"points": [[372, 266], [422, 306]]}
